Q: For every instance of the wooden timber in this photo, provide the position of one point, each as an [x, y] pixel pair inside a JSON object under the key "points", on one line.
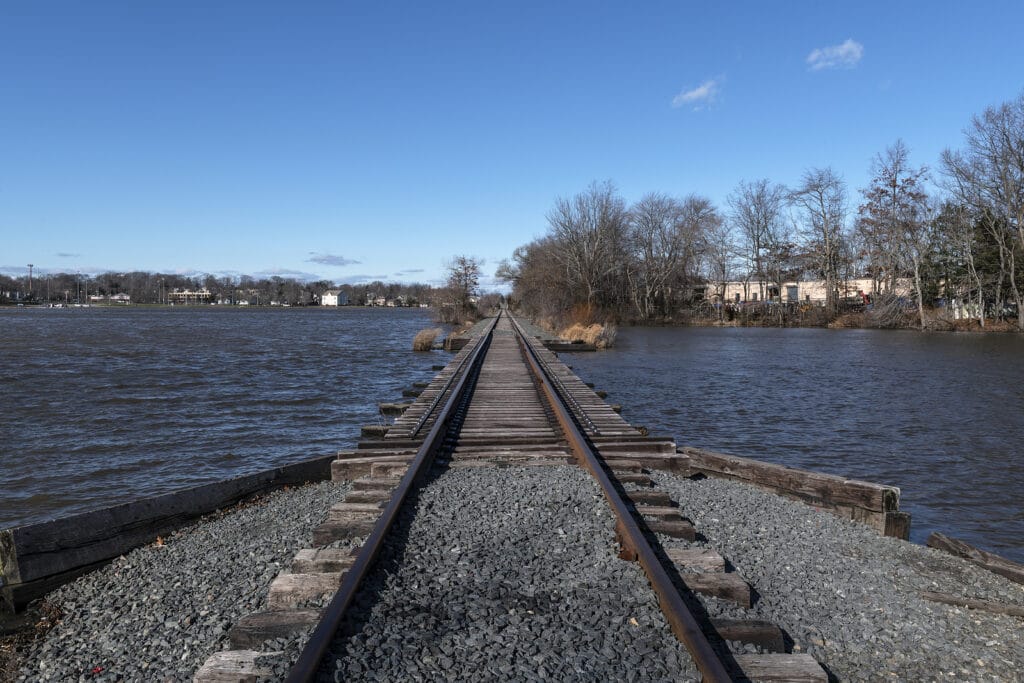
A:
{"points": [[873, 504], [764, 634], [235, 666], [252, 629], [990, 561], [970, 603], [37, 558], [791, 668]]}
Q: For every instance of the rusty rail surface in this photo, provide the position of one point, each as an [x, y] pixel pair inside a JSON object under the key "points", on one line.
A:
{"points": [[307, 665], [634, 543]]}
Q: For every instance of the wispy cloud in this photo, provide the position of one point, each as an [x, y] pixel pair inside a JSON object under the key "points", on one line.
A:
{"points": [[846, 55], [409, 271], [63, 254], [330, 259], [361, 279], [287, 273], [701, 96]]}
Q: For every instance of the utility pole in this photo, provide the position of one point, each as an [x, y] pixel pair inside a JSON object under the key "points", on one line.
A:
{"points": [[30, 281]]}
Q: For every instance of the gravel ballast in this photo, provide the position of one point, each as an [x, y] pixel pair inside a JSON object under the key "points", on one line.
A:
{"points": [[158, 612], [850, 597], [508, 574], [512, 574]]}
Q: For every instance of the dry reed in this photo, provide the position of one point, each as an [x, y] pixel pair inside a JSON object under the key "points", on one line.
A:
{"points": [[424, 339], [601, 336]]}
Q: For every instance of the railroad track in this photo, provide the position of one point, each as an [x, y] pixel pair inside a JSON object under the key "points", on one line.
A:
{"points": [[446, 559]]}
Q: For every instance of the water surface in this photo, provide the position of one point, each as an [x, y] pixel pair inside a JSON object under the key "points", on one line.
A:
{"points": [[105, 405], [940, 415]]}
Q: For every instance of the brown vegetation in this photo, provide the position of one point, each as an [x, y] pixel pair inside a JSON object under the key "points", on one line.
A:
{"points": [[600, 336], [424, 339]]}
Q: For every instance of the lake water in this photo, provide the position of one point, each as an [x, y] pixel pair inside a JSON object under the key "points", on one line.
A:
{"points": [[940, 415], [105, 405], [101, 405]]}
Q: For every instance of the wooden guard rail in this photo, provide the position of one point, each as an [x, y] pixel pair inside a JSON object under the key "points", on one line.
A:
{"points": [[873, 504]]}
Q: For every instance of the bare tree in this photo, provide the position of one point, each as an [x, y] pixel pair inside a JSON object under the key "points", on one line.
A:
{"points": [[755, 209], [896, 219], [655, 233], [463, 281], [988, 176], [667, 236], [588, 234], [538, 280], [821, 201], [719, 258]]}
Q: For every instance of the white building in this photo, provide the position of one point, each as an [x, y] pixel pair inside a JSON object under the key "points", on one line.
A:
{"points": [[804, 291], [334, 297]]}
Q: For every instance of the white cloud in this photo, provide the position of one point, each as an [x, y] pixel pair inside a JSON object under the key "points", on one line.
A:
{"points": [[842, 56], [286, 273], [330, 259], [701, 96]]}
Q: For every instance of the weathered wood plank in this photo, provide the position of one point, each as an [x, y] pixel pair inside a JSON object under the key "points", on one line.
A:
{"points": [[778, 668], [374, 431], [649, 497], [290, 591], [664, 512], [369, 496], [990, 561], [323, 560], [329, 532], [637, 478], [725, 586], [764, 634], [980, 605], [701, 558], [37, 558], [233, 666], [813, 486], [673, 529], [375, 484], [252, 629]]}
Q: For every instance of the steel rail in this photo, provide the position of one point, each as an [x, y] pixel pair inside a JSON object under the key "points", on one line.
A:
{"points": [[308, 663], [635, 545], [567, 397], [437, 399]]}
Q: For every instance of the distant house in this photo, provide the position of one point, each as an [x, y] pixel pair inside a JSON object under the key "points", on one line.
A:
{"points": [[189, 296], [334, 297], [794, 291], [113, 298]]}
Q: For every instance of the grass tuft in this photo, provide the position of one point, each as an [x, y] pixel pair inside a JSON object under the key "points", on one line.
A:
{"points": [[424, 339], [601, 336]]}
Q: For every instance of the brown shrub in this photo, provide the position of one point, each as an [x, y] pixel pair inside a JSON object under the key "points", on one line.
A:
{"points": [[601, 336], [424, 339]]}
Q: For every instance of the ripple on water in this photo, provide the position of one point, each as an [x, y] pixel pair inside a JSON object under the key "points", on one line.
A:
{"points": [[937, 415], [125, 403]]}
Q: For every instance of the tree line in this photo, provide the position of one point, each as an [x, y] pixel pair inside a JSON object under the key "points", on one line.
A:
{"points": [[949, 237], [156, 288]]}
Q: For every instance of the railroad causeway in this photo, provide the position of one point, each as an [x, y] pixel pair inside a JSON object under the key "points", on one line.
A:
{"points": [[510, 525]]}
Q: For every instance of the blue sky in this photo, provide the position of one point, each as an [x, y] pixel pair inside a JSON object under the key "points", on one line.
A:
{"points": [[375, 140]]}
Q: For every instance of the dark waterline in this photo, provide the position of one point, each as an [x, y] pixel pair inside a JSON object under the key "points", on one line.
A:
{"points": [[100, 406], [939, 415]]}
